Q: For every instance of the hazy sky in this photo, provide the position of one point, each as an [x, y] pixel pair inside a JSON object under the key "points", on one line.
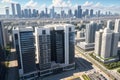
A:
{"points": [[103, 5]]}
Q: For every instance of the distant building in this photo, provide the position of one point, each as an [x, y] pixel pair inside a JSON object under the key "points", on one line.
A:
{"points": [[75, 13], [19, 12], [13, 9], [30, 13], [86, 12], [91, 13], [7, 12], [110, 24], [99, 13], [69, 13], [90, 31], [79, 13], [91, 28], [26, 13], [52, 12]]}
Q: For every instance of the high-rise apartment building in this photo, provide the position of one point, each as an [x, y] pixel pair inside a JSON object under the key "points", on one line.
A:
{"points": [[106, 43], [91, 28]]}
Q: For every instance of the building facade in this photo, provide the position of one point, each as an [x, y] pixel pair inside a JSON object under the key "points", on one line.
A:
{"points": [[44, 50]]}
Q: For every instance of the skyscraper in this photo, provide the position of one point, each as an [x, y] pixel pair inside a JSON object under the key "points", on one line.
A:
{"points": [[98, 42], [91, 13], [43, 47], [48, 50], [79, 13], [24, 41], [13, 9], [46, 12], [99, 13], [87, 12], [19, 12], [106, 43], [110, 24], [26, 13], [30, 13], [69, 13], [75, 13], [7, 12], [52, 12], [90, 31]]}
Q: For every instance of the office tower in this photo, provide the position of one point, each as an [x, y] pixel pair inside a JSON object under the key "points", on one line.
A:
{"points": [[23, 13], [75, 13], [19, 13], [7, 12], [69, 13], [26, 13], [43, 47], [42, 14], [30, 13], [34, 13], [62, 43], [99, 14], [79, 13], [13, 9], [98, 42], [52, 12], [91, 13], [46, 12], [62, 14], [86, 12], [24, 43], [110, 24]]}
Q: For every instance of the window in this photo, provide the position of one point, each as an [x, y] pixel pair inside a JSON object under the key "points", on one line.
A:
{"points": [[43, 32], [16, 37], [70, 29]]}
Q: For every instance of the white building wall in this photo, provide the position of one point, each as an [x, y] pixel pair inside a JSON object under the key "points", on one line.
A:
{"points": [[98, 42], [106, 44], [115, 44]]}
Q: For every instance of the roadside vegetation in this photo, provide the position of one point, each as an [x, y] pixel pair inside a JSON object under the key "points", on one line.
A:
{"points": [[118, 70], [85, 77], [111, 65]]}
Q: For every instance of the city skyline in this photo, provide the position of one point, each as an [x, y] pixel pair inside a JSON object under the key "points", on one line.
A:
{"points": [[72, 4]]}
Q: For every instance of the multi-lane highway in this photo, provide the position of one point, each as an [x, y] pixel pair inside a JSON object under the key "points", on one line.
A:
{"points": [[113, 75]]}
